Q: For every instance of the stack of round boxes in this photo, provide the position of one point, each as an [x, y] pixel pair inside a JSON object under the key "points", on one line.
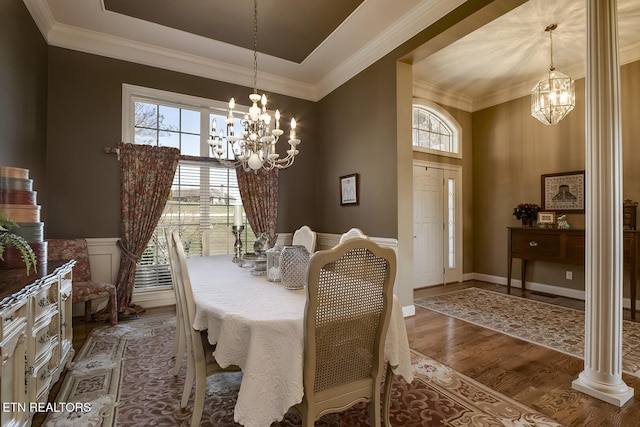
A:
{"points": [[18, 202]]}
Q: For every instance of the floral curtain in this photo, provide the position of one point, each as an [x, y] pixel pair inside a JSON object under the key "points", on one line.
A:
{"points": [[259, 193], [146, 174]]}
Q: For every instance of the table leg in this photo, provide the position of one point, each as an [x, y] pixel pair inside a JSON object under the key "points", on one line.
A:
{"points": [[509, 274], [632, 288], [524, 272]]}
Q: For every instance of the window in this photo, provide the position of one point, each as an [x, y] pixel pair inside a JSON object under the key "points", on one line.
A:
{"points": [[202, 194], [435, 131]]}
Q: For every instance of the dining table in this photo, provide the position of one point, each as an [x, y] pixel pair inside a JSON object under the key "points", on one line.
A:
{"points": [[258, 325]]}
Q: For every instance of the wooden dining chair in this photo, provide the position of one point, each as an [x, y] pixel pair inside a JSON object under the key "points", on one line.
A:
{"points": [[353, 233], [306, 237], [348, 310], [179, 344], [200, 360]]}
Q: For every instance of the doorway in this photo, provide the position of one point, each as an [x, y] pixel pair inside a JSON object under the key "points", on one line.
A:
{"points": [[437, 224]]}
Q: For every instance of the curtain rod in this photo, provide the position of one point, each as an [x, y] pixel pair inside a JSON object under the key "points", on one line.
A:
{"points": [[201, 159]]}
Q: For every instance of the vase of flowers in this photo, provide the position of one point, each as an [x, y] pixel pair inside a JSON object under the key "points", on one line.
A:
{"points": [[527, 213]]}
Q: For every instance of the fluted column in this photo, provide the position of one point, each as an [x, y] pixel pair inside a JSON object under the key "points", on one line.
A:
{"points": [[602, 374]]}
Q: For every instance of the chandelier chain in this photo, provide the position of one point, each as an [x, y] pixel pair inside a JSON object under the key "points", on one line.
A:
{"points": [[550, 29], [255, 46]]}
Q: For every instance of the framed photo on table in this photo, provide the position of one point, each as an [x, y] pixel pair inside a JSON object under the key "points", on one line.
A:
{"points": [[349, 189], [563, 192], [546, 219]]}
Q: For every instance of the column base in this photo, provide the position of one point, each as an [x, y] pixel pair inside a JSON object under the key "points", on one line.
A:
{"points": [[615, 395]]}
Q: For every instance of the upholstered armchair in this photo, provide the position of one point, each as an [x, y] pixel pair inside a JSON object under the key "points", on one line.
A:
{"points": [[83, 287]]}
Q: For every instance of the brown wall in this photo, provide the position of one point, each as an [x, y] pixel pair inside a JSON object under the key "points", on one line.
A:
{"points": [[359, 128], [511, 150], [358, 135], [23, 93], [85, 104]]}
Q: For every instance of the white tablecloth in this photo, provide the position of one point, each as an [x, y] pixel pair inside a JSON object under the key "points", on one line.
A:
{"points": [[258, 325]]}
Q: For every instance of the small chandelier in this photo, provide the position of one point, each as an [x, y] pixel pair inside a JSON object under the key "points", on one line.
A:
{"points": [[553, 97], [255, 147]]}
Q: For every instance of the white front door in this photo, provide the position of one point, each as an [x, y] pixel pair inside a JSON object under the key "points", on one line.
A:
{"points": [[437, 252]]}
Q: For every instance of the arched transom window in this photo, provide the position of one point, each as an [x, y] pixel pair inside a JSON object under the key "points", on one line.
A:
{"points": [[435, 131]]}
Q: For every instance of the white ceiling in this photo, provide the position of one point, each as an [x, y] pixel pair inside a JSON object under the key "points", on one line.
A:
{"points": [[495, 63]]}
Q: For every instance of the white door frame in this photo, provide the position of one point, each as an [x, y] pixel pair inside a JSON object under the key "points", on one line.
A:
{"points": [[458, 219]]}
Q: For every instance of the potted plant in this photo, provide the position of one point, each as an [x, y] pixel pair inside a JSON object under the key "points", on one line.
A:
{"points": [[527, 213], [7, 237]]}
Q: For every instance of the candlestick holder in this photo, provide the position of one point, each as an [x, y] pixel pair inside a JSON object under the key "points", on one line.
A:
{"points": [[237, 231]]}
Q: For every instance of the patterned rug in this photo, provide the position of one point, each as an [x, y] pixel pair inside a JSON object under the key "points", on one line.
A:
{"points": [[125, 375], [552, 326]]}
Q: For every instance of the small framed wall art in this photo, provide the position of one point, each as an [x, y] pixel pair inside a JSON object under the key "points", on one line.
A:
{"points": [[349, 188], [563, 192]]}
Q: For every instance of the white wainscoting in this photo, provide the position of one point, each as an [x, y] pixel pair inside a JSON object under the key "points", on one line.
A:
{"points": [[104, 258]]}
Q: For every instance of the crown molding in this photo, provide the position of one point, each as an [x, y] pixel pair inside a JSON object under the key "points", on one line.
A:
{"points": [[416, 20], [123, 49], [41, 15], [428, 91]]}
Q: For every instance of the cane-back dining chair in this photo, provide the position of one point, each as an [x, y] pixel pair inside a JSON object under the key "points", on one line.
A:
{"points": [[354, 233], [306, 237], [348, 310], [84, 289], [200, 360]]}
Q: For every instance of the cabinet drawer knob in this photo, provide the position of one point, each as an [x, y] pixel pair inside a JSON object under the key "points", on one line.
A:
{"points": [[533, 243]]}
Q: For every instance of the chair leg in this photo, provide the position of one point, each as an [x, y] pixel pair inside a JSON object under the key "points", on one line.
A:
{"points": [[374, 412], [388, 380], [188, 381], [198, 398], [178, 345], [307, 419], [87, 311]]}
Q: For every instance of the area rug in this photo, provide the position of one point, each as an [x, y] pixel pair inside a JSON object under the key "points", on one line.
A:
{"points": [[124, 374], [552, 326]]}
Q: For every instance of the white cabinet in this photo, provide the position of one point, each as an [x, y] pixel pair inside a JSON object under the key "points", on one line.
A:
{"points": [[35, 337], [13, 350]]}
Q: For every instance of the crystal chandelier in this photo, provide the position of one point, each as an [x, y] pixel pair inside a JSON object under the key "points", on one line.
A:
{"points": [[553, 97], [255, 147]]}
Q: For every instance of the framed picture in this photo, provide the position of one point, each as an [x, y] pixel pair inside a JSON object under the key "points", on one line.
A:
{"points": [[563, 192], [546, 219], [349, 189]]}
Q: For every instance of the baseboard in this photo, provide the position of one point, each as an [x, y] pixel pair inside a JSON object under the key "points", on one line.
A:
{"points": [[539, 287], [154, 298], [409, 310]]}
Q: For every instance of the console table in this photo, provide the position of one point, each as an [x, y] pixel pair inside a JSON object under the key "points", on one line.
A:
{"points": [[566, 247]]}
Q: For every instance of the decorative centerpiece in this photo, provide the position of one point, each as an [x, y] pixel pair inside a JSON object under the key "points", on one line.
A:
{"points": [[527, 213], [294, 261], [273, 264]]}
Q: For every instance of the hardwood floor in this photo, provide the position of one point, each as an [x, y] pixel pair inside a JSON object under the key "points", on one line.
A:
{"points": [[535, 376]]}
